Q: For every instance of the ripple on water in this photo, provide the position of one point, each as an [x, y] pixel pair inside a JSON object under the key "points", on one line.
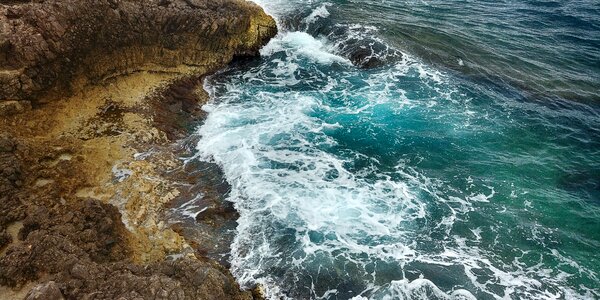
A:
{"points": [[398, 181]]}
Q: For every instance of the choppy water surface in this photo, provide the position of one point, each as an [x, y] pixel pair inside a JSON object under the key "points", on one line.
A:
{"points": [[415, 150]]}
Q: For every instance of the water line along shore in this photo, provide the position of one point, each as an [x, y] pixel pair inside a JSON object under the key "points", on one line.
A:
{"points": [[94, 97]]}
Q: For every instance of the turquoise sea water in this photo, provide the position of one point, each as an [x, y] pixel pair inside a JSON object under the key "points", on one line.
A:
{"points": [[415, 150]]}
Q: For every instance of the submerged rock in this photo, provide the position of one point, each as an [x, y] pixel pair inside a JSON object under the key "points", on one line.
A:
{"points": [[359, 44]]}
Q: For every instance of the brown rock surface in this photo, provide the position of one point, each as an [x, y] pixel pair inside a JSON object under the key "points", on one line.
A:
{"points": [[62, 45], [93, 95], [45, 291]]}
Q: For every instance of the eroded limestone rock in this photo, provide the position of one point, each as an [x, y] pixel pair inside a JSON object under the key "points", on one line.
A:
{"points": [[85, 85], [58, 46]]}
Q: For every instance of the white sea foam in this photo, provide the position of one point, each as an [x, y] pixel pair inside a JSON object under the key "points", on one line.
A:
{"points": [[304, 45], [320, 12], [280, 175], [304, 212], [420, 289], [191, 209]]}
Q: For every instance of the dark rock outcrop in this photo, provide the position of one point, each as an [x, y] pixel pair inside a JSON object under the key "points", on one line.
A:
{"points": [[61, 45], [358, 44]]}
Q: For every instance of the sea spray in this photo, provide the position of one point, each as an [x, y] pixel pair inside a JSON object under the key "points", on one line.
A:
{"points": [[398, 181]]}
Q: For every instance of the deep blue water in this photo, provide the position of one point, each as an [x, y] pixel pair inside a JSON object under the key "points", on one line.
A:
{"points": [[415, 150]]}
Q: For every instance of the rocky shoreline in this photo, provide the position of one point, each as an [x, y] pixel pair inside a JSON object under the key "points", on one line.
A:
{"points": [[95, 97]]}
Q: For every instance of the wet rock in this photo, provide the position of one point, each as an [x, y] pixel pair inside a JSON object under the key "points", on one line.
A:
{"points": [[362, 46], [212, 230], [358, 44], [179, 101], [45, 291]]}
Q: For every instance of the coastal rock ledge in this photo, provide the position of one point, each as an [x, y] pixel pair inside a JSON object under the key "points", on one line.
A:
{"points": [[95, 99]]}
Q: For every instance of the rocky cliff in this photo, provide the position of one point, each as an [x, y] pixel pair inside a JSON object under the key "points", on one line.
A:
{"points": [[60, 46], [94, 97]]}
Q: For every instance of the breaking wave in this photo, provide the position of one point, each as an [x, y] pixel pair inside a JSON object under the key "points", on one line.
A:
{"points": [[337, 148]]}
